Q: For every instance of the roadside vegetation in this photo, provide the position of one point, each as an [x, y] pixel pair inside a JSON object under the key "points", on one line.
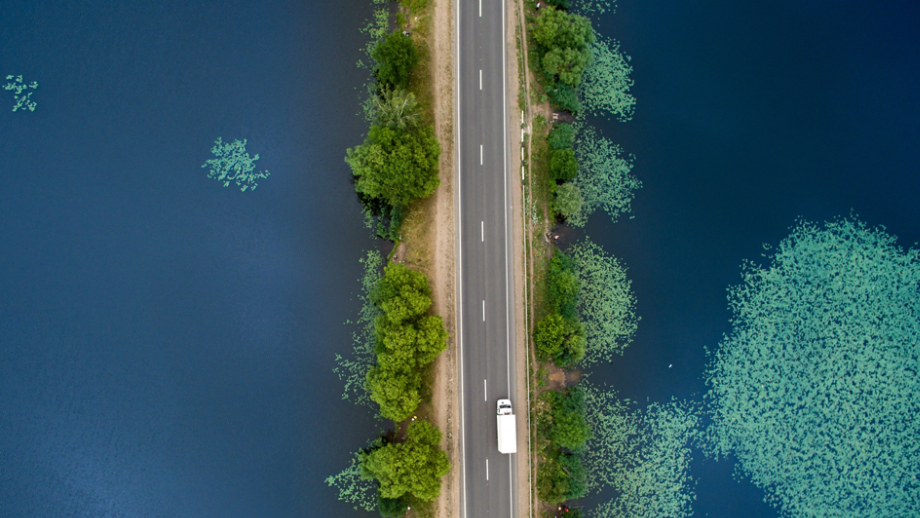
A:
{"points": [[397, 337]]}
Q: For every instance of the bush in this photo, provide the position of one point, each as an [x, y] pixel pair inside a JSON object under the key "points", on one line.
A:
{"points": [[562, 165], [568, 200], [392, 507], [563, 97], [562, 136], [396, 59]]}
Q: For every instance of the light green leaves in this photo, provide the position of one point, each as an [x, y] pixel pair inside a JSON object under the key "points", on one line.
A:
{"points": [[816, 388], [643, 455], [606, 82], [233, 164], [604, 177], [412, 467], [605, 301], [17, 86]]}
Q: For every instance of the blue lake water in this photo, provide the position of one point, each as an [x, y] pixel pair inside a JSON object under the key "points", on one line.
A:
{"points": [[749, 115], [166, 343]]}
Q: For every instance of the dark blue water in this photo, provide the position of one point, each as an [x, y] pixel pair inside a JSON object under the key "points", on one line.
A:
{"points": [[166, 343], [749, 115]]}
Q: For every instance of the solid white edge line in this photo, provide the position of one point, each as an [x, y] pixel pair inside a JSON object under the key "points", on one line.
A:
{"points": [[460, 273], [508, 315]]}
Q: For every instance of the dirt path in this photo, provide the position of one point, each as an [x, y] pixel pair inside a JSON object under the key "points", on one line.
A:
{"points": [[445, 402]]}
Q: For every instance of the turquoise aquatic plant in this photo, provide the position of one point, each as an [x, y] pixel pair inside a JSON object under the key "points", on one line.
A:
{"points": [[233, 164], [605, 301], [816, 388], [642, 455], [354, 487], [605, 84], [604, 177], [16, 84], [589, 7], [353, 369]]}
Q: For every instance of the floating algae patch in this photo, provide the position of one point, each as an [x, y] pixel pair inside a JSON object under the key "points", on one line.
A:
{"points": [[604, 177], [605, 301], [643, 456], [233, 164], [17, 86], [605, 84], [816, 388], [353, 487], [353, 370]]}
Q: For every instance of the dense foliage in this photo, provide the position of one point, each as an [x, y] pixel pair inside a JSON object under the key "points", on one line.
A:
{"points": [[563, 49], [413, 467], [407, 339], [568, 201], [563, 429], [562, 136], [397, 109], [560, 336], [396, 166], [605, 301], [569, 428], [233, 164], [816, 388], [396, 58]]}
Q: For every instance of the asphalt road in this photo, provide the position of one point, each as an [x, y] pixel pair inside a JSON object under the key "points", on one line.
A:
{"points": [[485, 252]]}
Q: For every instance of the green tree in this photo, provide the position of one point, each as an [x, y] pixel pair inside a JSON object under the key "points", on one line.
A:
{"points": [[563, 97], [397, 109], [562, 286], [563, 46], [555, 29], [402, 293], [570, 430], [562, 165], [573, 343], [413, 467], [392, 507], [548, 336], [568, 200], [397, 391], [566, 64], [396, 166], [407, 340], [396, 59], [562, 136]]}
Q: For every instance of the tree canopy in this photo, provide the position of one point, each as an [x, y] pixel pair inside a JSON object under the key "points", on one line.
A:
{"points": [[413, 467], [396, 58], [568, 200], [396, 166], [563, 44], [408, 340]]}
